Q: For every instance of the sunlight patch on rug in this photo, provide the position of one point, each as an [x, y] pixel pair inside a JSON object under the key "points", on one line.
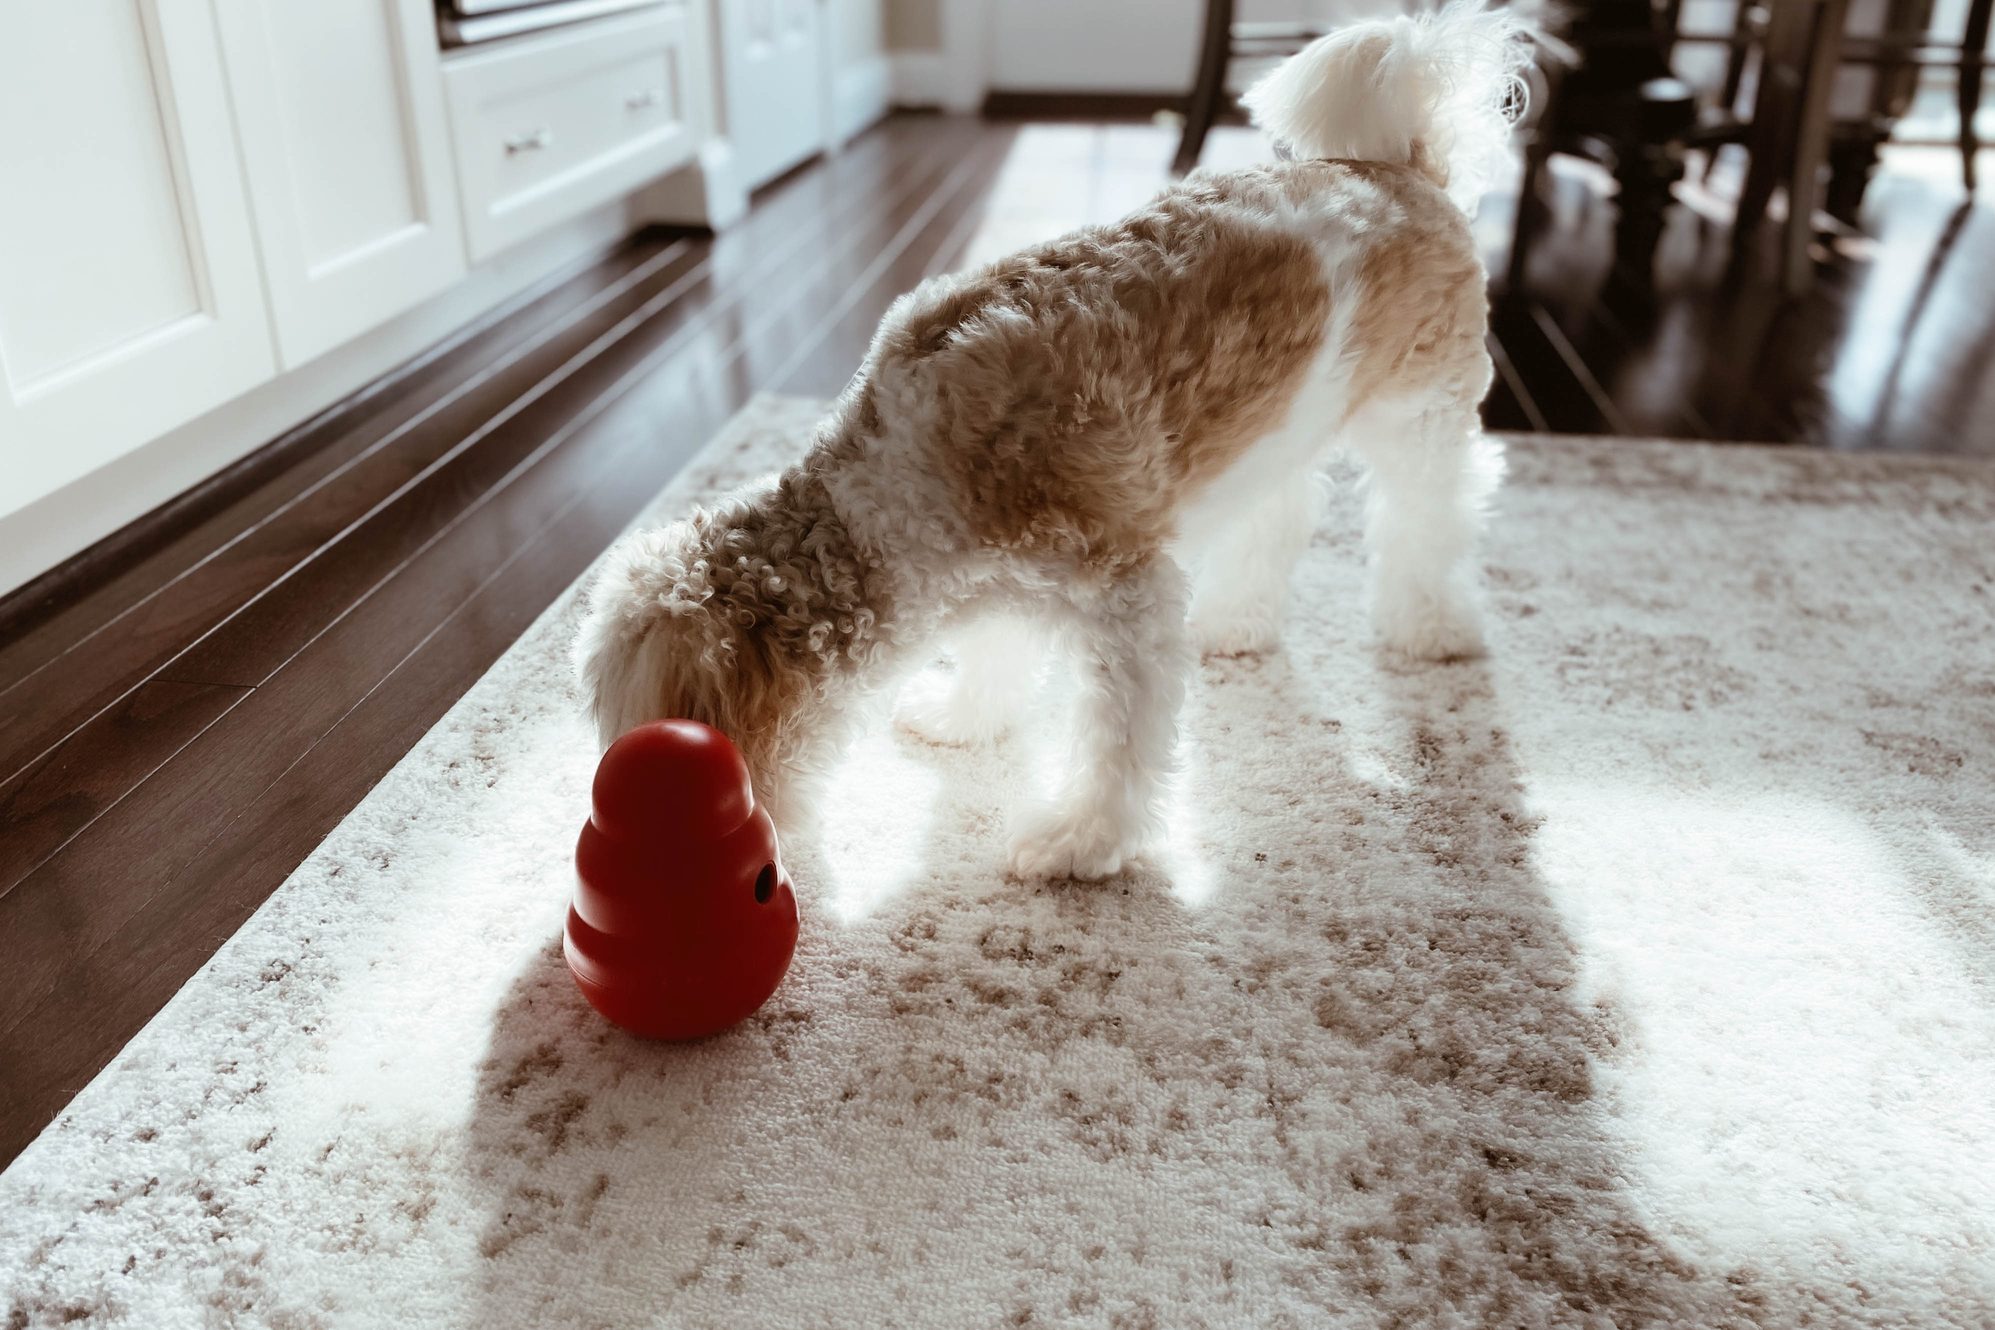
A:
{"points": [[869, 846], [1803, 1049]]}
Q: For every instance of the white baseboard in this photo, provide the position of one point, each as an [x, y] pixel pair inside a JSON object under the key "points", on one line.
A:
{"points": [[860, 95], [49, 530]]}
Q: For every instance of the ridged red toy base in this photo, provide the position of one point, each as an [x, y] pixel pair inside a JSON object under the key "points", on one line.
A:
{"points": [[650, 1004]]}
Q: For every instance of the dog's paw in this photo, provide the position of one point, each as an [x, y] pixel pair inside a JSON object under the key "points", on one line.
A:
{"points": [[934, 709], [1235, 625], [1056, 843], [1235, 634], [1430, 628]]}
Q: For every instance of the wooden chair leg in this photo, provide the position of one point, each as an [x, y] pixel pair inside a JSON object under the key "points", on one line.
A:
{"points": [[1770, 141], [1973, 44], [1215, 51], [1530, 209], [1735, 74], [1811, 145]]}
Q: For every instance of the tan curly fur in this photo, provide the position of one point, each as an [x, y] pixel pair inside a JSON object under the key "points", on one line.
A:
{"points": [[742, 617], [1084, 387]]}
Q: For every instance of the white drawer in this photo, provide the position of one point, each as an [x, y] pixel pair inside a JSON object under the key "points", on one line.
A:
{"points": [[550, 125]]}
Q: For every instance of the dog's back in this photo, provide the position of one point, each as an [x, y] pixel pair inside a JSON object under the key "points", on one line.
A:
{"points": [[1072, 399]]}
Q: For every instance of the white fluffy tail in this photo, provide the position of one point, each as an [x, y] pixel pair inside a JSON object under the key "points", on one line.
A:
{"points": [[1438, 91]]}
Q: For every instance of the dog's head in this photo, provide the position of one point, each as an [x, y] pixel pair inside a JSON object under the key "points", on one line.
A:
{"points": [[678, 623]]}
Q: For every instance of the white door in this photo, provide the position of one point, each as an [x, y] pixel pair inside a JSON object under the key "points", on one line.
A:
{"points": [[773, 60], [130, 299], [343, 133]]}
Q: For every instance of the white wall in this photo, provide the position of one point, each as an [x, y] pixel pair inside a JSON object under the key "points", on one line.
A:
{"points": [[914, 25], [1118, 45], [1094, 45]]}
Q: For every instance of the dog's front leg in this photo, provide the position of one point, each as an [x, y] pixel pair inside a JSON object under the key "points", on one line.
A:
{"points": [[997, 668], [1133, 654]]}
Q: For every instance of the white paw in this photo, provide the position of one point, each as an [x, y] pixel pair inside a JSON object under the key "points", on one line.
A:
{"points": [[932, 707], [1428, 627], [1234, 633], [1057, 843]]}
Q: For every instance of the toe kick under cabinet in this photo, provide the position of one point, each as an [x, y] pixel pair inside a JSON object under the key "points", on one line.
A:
{"points": [[198, 196]]}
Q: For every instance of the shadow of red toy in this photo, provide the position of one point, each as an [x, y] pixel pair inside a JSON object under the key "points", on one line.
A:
{"points": [[683, 921]]}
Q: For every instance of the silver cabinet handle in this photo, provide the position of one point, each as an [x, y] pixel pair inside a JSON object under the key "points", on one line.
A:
{"points": [[637, 101], [519, 143]]}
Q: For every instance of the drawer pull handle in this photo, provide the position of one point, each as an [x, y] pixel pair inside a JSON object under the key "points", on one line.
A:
{"points": [[520, 143], [637, 101]]}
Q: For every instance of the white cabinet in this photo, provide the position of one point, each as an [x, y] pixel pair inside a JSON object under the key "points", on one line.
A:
{"points": [[346, 153], [130, 299], [210, 207], [550, 126], [773, 55]]}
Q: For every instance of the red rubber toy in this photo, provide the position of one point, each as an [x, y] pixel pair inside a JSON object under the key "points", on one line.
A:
{"points": [[683, 921]]}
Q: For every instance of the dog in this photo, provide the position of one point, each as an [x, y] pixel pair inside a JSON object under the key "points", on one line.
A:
{"points": [[1110, 439]]}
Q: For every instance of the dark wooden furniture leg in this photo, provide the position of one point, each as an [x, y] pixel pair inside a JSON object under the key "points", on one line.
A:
{"points": [[1530, 211], [1973, 44], [1811, 146], [1790, 138], [1621, 104], [1215, 51], [1744, 20]]}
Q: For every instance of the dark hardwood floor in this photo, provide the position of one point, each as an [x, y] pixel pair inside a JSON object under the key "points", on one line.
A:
{"points": [[182, 726], [1889, 351]]}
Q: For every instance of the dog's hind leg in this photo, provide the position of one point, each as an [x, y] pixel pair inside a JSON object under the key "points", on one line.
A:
{"points": [[1133, 658], [1431, 475], [997, 671]]}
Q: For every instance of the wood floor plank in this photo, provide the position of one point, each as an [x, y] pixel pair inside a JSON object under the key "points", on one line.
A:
{"points": [[1623, 349], [42, 807], [1560, 396], [1509, 405], [822, 366], [776, 322], [1611, 416]]}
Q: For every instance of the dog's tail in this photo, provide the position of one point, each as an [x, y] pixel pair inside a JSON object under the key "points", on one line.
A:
{"points": [[1438, 91]]}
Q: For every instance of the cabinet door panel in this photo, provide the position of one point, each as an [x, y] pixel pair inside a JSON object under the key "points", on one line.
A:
{"points": [[130, 299], [773, 56], [343, 132]]}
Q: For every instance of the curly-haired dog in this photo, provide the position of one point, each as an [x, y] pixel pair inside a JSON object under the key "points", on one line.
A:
{"points": [[1046, 438]]}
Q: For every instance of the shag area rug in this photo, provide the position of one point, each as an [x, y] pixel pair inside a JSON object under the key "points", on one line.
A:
{"points": [[1641, 974]]}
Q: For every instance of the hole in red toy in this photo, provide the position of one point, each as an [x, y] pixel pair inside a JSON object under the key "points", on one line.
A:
{"points": [[765, 884]]}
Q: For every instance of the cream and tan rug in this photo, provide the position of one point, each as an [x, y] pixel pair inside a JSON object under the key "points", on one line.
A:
{"points": [[1643, 974]]}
